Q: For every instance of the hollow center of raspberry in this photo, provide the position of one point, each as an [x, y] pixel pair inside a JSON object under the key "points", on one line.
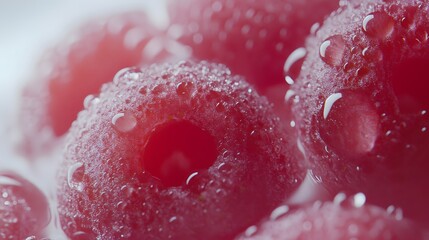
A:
{"points": [[411, 83], [176, 150]]}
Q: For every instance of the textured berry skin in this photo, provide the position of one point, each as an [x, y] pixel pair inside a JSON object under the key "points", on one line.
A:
{"points": [[107, 184], [251, 37], [78, 67], [335, 221], [361, 109], [23, 208]]}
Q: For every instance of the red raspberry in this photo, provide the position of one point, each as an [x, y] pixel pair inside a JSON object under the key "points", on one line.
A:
{"points": [[338, 220], [252, 37], [184, 151], [79, 68], [24, 209], [361, 102]]}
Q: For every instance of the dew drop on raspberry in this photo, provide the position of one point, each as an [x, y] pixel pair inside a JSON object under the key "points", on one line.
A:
{"points": [[124, 122], [378, 25], [292, 66], [74, 176], [185, 88], [177, 151], [349, 123], [332, 50]]}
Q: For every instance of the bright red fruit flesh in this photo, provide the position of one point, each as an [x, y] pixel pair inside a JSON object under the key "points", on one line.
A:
{"points": [[185, 151], [338, 220], [251, 37], [361, 103], [78, 67], [24, 209]]}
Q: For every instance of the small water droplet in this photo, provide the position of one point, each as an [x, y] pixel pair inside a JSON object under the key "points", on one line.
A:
{"points": [[329, 102], [397, 213], [359, 200], [172, 219], [279, 211], [191, 176], [124, 122], [332, 50], [293, 63], [185, 88], [378, 25], [250, 231], [340, 198], [73, 181], [292, 123], [289, 94], [90, 100]]}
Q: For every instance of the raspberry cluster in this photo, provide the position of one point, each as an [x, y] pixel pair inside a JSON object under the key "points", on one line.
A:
{"points": [[242, 119]]}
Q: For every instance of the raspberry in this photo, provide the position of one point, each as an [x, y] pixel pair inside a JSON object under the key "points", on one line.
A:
{"points": [[338, 220], [185, 151], [252, 37], [23, 208], [80, 66], [361, 105]]}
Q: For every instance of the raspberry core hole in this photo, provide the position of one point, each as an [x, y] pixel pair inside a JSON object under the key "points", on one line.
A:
{"points": [[411, 83], [177, 149]]}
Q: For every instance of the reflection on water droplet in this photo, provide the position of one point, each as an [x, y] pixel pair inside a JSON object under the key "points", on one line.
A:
{"points": [[339, 198], [172, 219], [397, 213], [329, 102], [293, 63], [72, 180], [184, 88], [332, 50], [279, 211], [124, 122], [90, 100], [359, 200], [289, 80], [189, 179], [350, 123], [250, 231], [378, 25], [289, 93]]}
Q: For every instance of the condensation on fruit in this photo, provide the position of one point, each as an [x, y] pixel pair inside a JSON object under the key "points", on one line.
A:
{"points": [[332, 50], [350, 123], [378, 25], [279, 212], [293, 63], [185, 89], [74, 176], [90, 100], [124, 122]]}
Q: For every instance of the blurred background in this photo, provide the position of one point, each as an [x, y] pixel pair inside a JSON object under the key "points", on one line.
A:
{"points": [[28, 28]]}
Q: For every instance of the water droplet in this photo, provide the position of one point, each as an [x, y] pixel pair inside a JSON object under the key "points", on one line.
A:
{"points": [[279, 211], [292, 123], [378, 25], [90, 100], [289, 94], [124, 122], [332, 50], [340, 198], [172, 219], [351, 123], [329, 102], [250, 231], [293, 63], [125, 74], [359, 200], [73, 180], [189, 179], [185, 88], [397, 213]]}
